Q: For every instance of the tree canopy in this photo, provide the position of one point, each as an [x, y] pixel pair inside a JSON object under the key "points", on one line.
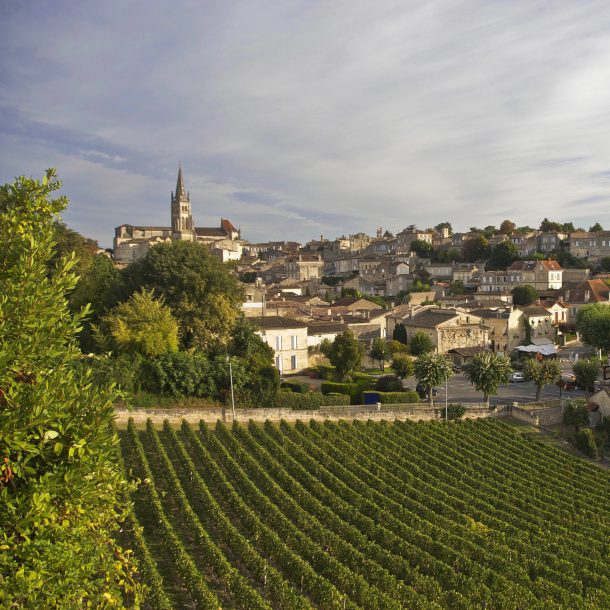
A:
{"points": [[475, 248], [593, 323], [345, 354], [203, 295], [380, 351], [541, 373], [68, 242], [507, 227], [524, 295], [420, 344], [502, 256], [432, 370], [487, 371], [62, 491], [586, 373], [422, 248]]}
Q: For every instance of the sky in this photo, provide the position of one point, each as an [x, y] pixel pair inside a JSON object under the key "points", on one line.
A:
{"points": [[296, 119]]}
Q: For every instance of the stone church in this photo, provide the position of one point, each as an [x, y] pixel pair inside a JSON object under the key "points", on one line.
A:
{"points": [[131, 242]]}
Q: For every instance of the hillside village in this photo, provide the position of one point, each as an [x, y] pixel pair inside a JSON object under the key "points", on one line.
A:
{"points": [[456, 287]]}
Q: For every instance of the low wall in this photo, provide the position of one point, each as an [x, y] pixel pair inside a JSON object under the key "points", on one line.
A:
{"points": [[364, 412], [549, 416]]}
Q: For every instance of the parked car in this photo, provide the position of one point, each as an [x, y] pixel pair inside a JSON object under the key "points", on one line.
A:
{"points": [[422, 391], [516, 377]]}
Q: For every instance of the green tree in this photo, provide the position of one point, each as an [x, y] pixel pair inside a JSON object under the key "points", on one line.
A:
{"points": [[585, 441], [596, 227], [502, 256], [62, 492], [204, 296], [576, 414], [487, 371], [420, 344], [346, 354], [396, 347], [433, 370], [380, 351], [69, 242], [541, 373], [457, 287], [507, 227], [402, 366], [586, 372], [400, 333], [604, 264], [141, 325], [326, 347], [443, 225], [524, 295], [422, 248], [593, 324], [98, 287], [475, 248]]}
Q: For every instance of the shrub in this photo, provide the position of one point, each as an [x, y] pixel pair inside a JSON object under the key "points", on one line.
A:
{"points": [[455, 411], [389, 383], [364, 377], [325, 371], [181, 374], [295, 386], [586, 443], [311, 401], [394, 398], [353, 390]]}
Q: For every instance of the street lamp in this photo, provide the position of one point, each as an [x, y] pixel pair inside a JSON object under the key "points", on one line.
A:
{"points": [[446, 392], [231, 378]]}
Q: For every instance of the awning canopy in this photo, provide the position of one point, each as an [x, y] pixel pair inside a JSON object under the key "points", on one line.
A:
{"points": [[546, 350]]}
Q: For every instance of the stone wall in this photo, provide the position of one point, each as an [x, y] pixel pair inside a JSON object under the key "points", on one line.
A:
{"points": [[364, 412], [549, 416]]}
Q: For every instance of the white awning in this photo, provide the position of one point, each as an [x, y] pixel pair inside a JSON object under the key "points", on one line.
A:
{"points": [[545, 350]]}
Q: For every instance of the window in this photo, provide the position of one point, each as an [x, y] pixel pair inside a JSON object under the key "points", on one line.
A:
{"points": [[293, 342], [278, 343], [278, 363], [293, 362]]}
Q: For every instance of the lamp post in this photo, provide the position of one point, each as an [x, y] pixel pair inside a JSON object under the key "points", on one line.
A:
{"points": [[446, 405], [231, 379]]}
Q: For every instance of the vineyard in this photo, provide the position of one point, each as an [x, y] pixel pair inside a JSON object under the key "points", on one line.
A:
{"points": [[366, 515]]}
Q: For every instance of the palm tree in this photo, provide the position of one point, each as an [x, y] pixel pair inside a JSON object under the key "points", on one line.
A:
{"points": [[541, 373], [432, 370], [486, 371]]}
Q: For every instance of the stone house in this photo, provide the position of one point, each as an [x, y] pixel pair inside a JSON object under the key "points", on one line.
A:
{"points": [[540, 321], [542, 275], [448, 328], [318, 330], [585, 293], [304, 267], [592, 245], [506, 327], [288, 338]]}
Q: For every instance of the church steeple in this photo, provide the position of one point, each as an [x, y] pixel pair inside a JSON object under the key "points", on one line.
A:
{"points": [[182, 218]]}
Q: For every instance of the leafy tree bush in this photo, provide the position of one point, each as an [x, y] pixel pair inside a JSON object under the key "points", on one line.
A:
{"points": [[182, 374], [432, 370], [502, 256], [353, 390], [389, 383], [345, 354], [69, 242], [524, 295], [586, 372], [324, 371], [311, 401], [576, 414], [62, 492], [474, 249], [455, 411], [487, 371], [541, 373], [585, 441], [593, 323], [396, 347], [422, 248], [420, 344], [295, 386], [402, 365], [380, 351], [394, 398], [400, 333], [140, 325]]}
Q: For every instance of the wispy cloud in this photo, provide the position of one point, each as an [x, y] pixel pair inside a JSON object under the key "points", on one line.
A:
{"points": [[300, 118]]}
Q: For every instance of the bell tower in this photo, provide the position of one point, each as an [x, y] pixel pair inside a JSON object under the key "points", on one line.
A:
{"points": [[182, 217]]}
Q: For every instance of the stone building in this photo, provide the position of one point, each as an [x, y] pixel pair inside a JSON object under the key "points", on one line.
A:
{"points": [[132, 242], [288, 338]]}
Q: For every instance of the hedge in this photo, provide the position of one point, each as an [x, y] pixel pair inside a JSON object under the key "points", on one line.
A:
{"points": [[395, 398], [296, 386], [325, 371], [311, 401], [353, 390]]}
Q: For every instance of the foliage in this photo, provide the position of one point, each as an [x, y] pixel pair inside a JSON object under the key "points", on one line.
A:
{"points": [[604, 264], [507, 227], [432, 370], [456, 288], [324, 371], [397, 347], [420, 344], [380, 351], [295, 386], [248, 277], [129, 372], [182, 374], [524, 295], [393, 398], [345, 354], [402, 365], [62, 493], [141, 325], [97, 286], [586, 373], [593, 323], [596, 227], [548, 226], [541, 373], [487, 371], [475, 248], [443, 225], [203, 295], [310, 401], [326, 347], [585, 441], [419, 286], [576, 414], [69, 242], [389, 383], [400, 333], [455, 411], [422, 248], [353, 390], [502, 256]]}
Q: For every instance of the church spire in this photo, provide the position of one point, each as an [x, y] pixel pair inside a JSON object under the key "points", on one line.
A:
{"points": [[180, 190]]}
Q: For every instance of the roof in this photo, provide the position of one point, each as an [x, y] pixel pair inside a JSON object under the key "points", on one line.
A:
{"points": [[211, 231], [535, 310], [598, 292], [227, 225], [273, 322], [495, 314], [431, 317], [322, 328], [531, 265], [347, 301]]}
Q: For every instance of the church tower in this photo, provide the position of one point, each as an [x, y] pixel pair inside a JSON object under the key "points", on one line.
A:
{"points": [[182, 217]]}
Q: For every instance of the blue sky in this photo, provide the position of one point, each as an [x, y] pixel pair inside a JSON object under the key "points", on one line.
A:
{"points": [[300, 118]]}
